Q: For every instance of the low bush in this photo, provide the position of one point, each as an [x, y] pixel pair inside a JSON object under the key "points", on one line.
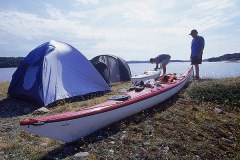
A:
{"points": [[223, 92]]}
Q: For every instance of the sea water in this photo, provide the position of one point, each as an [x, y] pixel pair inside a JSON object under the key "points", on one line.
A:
{"points": [[207, 69]]}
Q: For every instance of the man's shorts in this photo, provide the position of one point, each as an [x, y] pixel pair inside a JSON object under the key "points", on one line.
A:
{"points": [[166, 61], [196, 60]]}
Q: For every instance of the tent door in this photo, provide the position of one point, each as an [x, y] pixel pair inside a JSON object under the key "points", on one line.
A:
{"points": [[103, 70]]}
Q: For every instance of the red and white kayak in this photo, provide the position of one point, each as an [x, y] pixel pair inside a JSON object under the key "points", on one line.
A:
{"points": [[71, 126]]}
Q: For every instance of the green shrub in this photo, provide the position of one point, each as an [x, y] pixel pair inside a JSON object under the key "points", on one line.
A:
{"points": [[223, 92]]}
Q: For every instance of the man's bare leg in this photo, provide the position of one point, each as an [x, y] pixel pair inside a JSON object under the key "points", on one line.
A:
{"points": [[164, 69], [197, 70]]}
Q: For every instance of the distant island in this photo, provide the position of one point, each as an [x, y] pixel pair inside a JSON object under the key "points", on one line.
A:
{"points": [[226, 57], [8, 62]]}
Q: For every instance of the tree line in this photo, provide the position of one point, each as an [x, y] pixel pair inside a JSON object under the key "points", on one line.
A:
{"points": [[8, 62]]}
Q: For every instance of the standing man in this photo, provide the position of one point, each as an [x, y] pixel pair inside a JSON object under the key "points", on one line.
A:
{"points": [[163, 60], [197, 47]]}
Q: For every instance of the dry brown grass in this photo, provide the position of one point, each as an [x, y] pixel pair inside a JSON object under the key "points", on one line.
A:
{"points": [[4, 89]]}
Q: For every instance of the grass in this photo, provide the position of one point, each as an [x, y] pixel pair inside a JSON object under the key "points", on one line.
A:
{"points": [[224, 92], [183, 127], [3, 89]]}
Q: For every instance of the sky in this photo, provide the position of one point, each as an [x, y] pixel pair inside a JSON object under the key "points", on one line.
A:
{"points": [[130, 29]]}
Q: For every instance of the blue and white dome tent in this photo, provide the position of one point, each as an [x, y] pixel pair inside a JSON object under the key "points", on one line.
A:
{"points": [[55, 71]]}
